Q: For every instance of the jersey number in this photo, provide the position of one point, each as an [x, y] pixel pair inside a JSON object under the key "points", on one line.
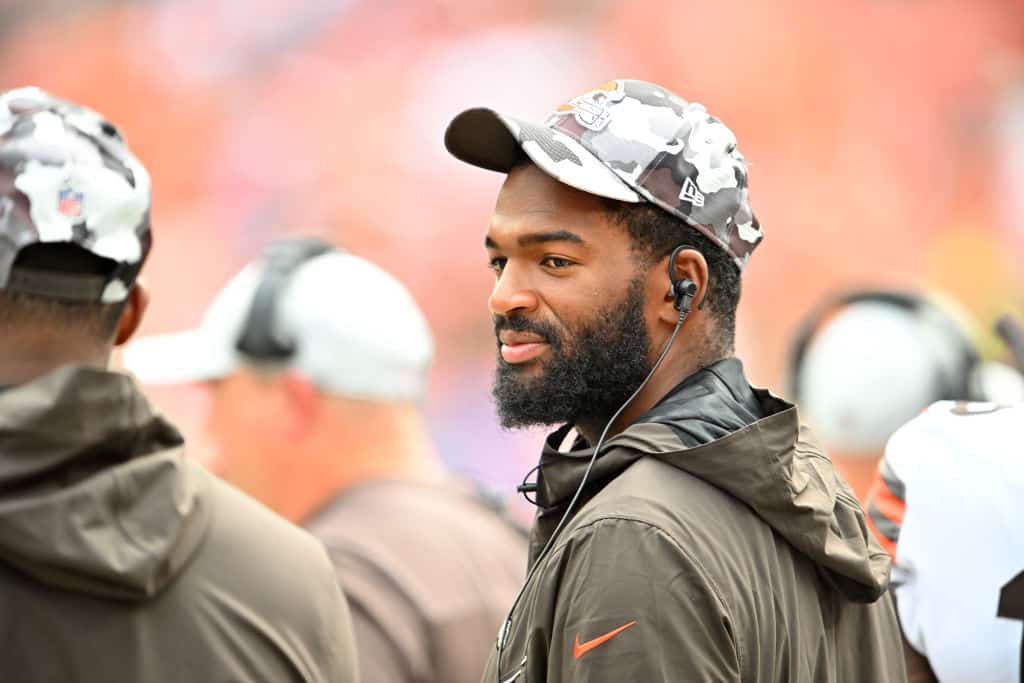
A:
{"points": [[1011, 606]]}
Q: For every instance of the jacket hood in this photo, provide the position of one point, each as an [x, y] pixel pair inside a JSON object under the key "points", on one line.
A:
{"points": [[750, 444], [95, 493]]}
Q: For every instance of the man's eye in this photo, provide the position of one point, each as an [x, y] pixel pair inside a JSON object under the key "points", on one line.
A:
{"points": [[497, 264], [556, 262]]}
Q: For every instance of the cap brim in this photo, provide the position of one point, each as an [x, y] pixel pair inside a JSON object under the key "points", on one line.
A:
{"points": [[177, 358], [485, 138]]}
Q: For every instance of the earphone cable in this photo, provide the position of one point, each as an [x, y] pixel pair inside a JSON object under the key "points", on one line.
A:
{"points": [[507, 625]]}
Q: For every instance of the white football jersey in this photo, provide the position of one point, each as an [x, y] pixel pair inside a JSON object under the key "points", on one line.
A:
{"points": [[949, 506]]}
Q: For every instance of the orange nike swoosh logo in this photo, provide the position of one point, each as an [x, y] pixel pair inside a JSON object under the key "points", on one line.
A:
{"points": [[580, 649]]}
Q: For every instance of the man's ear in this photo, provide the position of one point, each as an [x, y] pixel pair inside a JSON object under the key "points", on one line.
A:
{"points": [[131, 316], [691, 265], [303, 403]]}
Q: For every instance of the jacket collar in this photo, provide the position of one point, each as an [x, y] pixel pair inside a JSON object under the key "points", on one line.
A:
{"points": [[96, 494], [707, 405], [747, 443], [83, 415]]}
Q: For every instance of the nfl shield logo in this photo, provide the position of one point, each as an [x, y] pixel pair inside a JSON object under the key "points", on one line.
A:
{"points": [[69, 203]]}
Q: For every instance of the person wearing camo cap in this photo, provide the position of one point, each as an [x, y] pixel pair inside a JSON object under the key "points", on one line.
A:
{"points": [[120, 558], [688, 527]]}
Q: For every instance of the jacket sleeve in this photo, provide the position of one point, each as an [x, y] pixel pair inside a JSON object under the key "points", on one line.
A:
{"points": [[339, 660], [633, 605]]}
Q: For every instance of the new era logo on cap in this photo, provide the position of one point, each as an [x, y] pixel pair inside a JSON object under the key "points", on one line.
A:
{"points": [[691, 194]]}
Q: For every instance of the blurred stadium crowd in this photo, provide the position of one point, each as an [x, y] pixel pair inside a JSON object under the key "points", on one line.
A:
{"points": [[885, 143]]}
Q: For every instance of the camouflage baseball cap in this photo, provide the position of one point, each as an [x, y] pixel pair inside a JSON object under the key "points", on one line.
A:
{"points": [[631, 141], [66, 177]]}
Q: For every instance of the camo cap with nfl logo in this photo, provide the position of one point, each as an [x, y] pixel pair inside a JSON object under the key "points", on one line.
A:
{"points": [[67, 177], [631, 141]]}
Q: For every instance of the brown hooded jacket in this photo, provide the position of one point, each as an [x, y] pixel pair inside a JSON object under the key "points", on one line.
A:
{"points": [[122, 560], [713, 542]]}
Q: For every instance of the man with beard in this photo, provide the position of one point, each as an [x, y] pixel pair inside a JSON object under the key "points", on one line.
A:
{"points": [[691, 530]]}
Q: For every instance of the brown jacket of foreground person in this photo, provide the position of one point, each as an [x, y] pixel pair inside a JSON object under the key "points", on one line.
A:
{"points": [[705, 550], [121, 560]]}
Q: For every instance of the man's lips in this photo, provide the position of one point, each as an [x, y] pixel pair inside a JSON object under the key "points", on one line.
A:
{"points": [[520, 347], [521, 353]]}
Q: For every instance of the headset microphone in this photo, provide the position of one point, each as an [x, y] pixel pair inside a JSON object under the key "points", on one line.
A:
{"points": [[529, 487], [683, 291]]}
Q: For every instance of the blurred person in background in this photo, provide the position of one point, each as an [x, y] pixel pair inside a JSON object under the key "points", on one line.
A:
{"points": [[120, 558], [318, 362], [948, 505], [864, 362], [710, 539]]}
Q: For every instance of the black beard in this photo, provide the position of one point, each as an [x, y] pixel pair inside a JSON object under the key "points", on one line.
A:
{"points": [[590, 373]]}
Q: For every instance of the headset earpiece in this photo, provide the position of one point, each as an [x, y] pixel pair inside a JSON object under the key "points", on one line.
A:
{"points": [[684, 290]]}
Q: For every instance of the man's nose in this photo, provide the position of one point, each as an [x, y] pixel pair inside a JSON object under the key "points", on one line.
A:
{"points": [[512, 294]]}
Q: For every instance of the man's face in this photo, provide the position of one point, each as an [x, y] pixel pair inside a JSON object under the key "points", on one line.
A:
{"points": [[568, 305]]}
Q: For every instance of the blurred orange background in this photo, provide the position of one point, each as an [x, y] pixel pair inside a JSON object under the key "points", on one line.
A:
{"points": [[886, 141]]}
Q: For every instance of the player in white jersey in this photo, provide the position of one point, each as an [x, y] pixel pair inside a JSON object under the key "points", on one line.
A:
{"points": [[948, 504]]}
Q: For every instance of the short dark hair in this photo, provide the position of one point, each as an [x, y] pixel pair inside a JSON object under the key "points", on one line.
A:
{"points": [[655, 233], [93, 319]]}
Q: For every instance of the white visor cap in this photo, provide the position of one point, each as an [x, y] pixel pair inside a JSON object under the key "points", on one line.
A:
{"points": [[357, 332], [869, 370]]}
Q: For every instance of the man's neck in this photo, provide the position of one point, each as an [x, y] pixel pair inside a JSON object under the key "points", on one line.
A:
{"points": [[26, 354], [392, 448], [671, 373], [18, 369]]}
